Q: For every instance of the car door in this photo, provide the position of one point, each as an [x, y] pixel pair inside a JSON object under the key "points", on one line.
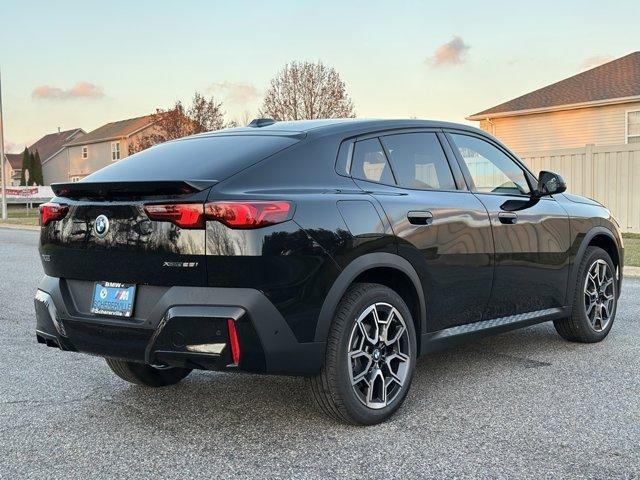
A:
{"points": [[531, 235], [442, 228]]}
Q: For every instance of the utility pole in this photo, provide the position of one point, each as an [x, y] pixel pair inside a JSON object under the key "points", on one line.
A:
{"points": [[2, 158]]}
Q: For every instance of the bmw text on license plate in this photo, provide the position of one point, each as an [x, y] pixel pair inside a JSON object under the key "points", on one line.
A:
{"points": [[110, 298]]}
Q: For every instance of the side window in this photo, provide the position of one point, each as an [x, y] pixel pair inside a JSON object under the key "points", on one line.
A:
{"points": [[370, 163], [419, 161], [492, 170]]}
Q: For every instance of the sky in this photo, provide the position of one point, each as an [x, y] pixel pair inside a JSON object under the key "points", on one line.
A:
{"points": [[75, 64]]}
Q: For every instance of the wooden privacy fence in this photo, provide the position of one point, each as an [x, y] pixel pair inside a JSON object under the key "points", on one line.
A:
{"points": [[609, 174]]}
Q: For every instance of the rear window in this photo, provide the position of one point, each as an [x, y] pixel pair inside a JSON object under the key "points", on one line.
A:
{"points": [[200, 158], [370, 163]]}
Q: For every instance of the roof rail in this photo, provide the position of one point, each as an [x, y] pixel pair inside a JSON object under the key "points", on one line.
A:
{"points": [[261, 122]]}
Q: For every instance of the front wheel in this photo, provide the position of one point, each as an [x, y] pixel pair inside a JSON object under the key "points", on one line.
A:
{"points": [[595, 299], [147, 375], [370, 359]]}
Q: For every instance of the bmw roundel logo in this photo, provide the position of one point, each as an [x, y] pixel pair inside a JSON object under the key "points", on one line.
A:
{"points": [[101, 225]]}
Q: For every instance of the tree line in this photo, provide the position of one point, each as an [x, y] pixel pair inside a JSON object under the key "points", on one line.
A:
{"points": [[299, 91]]}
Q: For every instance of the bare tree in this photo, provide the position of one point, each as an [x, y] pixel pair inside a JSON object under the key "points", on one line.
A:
{"points": [[242, 121], [305, 90], [203, 115]]}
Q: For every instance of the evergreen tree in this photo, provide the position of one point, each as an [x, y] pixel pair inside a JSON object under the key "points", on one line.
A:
{"points": [[30, 174], [36, 168], [26, 166]]}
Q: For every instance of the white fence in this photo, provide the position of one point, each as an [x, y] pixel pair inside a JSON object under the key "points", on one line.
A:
{"points": [[609, 174]]}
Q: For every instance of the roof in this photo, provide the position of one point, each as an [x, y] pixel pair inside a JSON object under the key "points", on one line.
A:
{"points": [[52, 143], [329, 126], [618, 79], [115, 130], [46, 147], [15, 160]]}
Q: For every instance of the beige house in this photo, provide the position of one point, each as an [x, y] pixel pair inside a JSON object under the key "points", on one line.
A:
{"points": [[600, 107], [48, 147], [12, 169], [97, 149]]}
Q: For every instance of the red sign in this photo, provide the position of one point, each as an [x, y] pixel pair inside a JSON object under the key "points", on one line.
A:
{"points": [[22, 192]]}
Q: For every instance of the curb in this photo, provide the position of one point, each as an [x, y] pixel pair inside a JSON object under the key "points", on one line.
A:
{"points": [[631, 272], [15, 226]]}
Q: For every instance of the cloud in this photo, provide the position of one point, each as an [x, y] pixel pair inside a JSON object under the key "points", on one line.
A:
{"points": [[237, 93], [595, 61], [450, 53], [11, 147], [79, 90]]}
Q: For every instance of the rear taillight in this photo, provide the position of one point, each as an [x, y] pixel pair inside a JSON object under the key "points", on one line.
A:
{"points": [[184, 215], [233, 341], [244, 215], [50, 212], [234, 214]]}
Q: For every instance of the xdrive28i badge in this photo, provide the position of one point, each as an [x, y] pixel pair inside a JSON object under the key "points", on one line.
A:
{"points": [[101, 225]]}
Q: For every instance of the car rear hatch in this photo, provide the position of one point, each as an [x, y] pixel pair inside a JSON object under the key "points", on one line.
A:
{"points": [[136, 221]]}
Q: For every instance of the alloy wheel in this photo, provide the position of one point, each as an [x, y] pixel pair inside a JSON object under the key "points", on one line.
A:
{"points": [[379, 355], [599, 295]]}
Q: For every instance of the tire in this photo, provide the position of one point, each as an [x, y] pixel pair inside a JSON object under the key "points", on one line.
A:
{"points": [[147, 375], [332, 389], [583, 325]]}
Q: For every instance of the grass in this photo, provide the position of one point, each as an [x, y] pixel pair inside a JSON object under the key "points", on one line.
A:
{"points": [[21, 215], [632, 249]]}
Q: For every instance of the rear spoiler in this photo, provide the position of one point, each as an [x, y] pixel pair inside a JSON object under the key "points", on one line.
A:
{"points": [[129, 189]]}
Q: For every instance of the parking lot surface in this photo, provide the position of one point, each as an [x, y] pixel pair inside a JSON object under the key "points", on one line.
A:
{"points": [[525, 404]]}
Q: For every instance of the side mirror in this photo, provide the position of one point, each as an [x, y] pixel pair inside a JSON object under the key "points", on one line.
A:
{"points": [[550, 183]]}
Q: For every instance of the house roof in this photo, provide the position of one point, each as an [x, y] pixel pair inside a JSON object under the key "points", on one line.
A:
{"points": [[617, 79], [52, 143], [47, 146], [115, 130], [15, 160]]}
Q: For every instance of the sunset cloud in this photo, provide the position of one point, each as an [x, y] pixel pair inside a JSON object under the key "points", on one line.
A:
{"points": [[237, 93], [450, 53], [79, 90], [11, 147], [595, 61]]}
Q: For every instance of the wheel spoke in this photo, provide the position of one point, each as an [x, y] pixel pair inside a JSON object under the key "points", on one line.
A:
{"points": [[403, 359], [369, 329], [377, 389]]}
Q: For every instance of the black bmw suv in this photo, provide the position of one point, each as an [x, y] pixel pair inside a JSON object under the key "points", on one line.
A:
{"points": [[338, 250]]}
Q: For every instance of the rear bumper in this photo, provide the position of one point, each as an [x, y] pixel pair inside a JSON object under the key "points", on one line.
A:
{"points": [[177, 326]]}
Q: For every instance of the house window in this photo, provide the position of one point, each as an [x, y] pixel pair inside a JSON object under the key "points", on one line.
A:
{"points": [[85, 153], [76, 178], [633, 126], [115, 151]]}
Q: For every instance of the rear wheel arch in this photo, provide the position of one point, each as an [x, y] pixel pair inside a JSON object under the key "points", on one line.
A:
{"points": [[383, 268]]}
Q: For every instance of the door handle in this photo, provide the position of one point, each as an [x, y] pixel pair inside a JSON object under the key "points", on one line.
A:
{"points": [[421, 217], [508, 218]]}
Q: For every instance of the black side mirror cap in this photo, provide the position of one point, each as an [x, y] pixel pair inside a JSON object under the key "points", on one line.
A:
{"points": [[550, 183]]}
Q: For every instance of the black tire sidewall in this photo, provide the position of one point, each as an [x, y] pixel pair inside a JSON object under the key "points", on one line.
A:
{"points": [[359, 412]]}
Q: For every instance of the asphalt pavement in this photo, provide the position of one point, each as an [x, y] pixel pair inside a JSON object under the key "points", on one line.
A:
{"points": [[525, 404]]}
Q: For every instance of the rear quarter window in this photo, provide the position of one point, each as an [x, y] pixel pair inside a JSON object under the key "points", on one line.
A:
{"points": [[197, 158]]}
